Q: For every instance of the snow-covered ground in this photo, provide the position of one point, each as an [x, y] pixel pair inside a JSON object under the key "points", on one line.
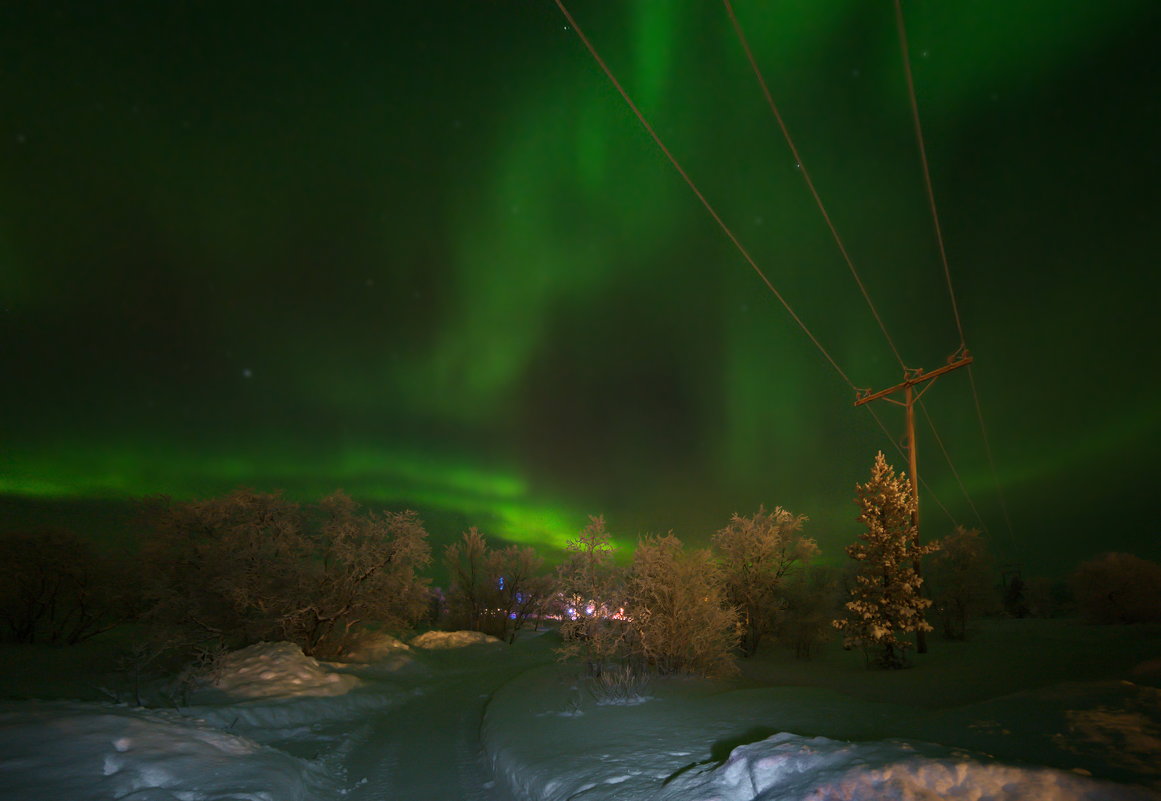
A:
{"points": [[1075, 715]]}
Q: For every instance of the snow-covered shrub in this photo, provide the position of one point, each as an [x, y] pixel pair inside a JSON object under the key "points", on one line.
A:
{"points": [[251, 566], [885, 600], [755, 554], [56, 588], [1118, 588], [442, 640], [960, 578], [679, 615]]}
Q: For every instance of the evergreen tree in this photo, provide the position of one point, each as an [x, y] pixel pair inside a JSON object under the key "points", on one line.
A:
{"points": [[885, 599]]}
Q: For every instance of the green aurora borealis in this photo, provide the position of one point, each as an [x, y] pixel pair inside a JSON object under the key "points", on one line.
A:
{"points": [[422, 251]]}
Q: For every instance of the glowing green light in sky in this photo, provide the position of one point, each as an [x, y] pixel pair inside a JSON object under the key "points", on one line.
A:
{"points": [[424, 265]]}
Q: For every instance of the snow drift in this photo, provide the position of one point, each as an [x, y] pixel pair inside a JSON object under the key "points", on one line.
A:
{"points": [[71, 750], [451, 639], [788, 767]]}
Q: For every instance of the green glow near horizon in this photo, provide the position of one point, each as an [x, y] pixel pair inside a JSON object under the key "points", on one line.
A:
{"points": [[499, 501]]}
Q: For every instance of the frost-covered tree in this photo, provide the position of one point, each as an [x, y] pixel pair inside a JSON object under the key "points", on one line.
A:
{"points": [[253, 566], [680, 618], [363, 567], [755, 554], [1118, 588], [223, 569], [588, 583], [961, 580], [885, 600]]}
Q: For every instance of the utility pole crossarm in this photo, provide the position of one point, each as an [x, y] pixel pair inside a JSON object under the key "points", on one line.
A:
{"points": [[918, 378], [911, 377]]}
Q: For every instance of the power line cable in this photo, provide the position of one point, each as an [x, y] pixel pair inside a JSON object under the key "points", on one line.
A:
{"points": [[806, 176], [835, 235], [899, 24], [954, 472], [689, 181], [725, 228]]}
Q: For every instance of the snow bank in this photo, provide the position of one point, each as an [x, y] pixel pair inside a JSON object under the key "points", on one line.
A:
{"points": [[451, 639], [77, 751], [379, 649], [790, 767], [547, 740], [272, 690], [280, 669]]}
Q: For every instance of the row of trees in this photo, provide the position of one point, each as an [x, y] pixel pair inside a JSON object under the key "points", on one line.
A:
{"points": [[689, 610], [223, 573], [254, 566], [250, 566], [675, 609], [495, 591]]}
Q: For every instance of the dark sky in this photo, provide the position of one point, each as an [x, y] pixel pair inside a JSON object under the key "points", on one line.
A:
{"points": [[424, 252]]}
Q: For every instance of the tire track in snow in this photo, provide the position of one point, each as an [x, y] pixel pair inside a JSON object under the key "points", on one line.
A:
{"points": [[430, 747]]}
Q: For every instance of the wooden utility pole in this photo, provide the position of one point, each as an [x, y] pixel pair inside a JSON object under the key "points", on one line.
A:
{"points": [[911, 378]]}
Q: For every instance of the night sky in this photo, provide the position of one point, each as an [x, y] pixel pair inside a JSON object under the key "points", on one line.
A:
{"points": [[424, 252]]}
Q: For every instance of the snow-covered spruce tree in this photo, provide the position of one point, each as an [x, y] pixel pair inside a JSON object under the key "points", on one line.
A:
{"points": [[755, 554], [680, 618], [589, 585], [885, 599]]}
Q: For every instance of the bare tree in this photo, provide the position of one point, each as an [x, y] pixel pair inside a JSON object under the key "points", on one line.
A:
{"points": [[961, 580], [809, 598], [521, 589], [755, 554], [466, 562], [591, 598], [56, 588], [494, 591]]}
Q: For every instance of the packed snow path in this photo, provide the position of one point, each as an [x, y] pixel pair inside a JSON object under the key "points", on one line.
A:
{"points": [[429, 746]]}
